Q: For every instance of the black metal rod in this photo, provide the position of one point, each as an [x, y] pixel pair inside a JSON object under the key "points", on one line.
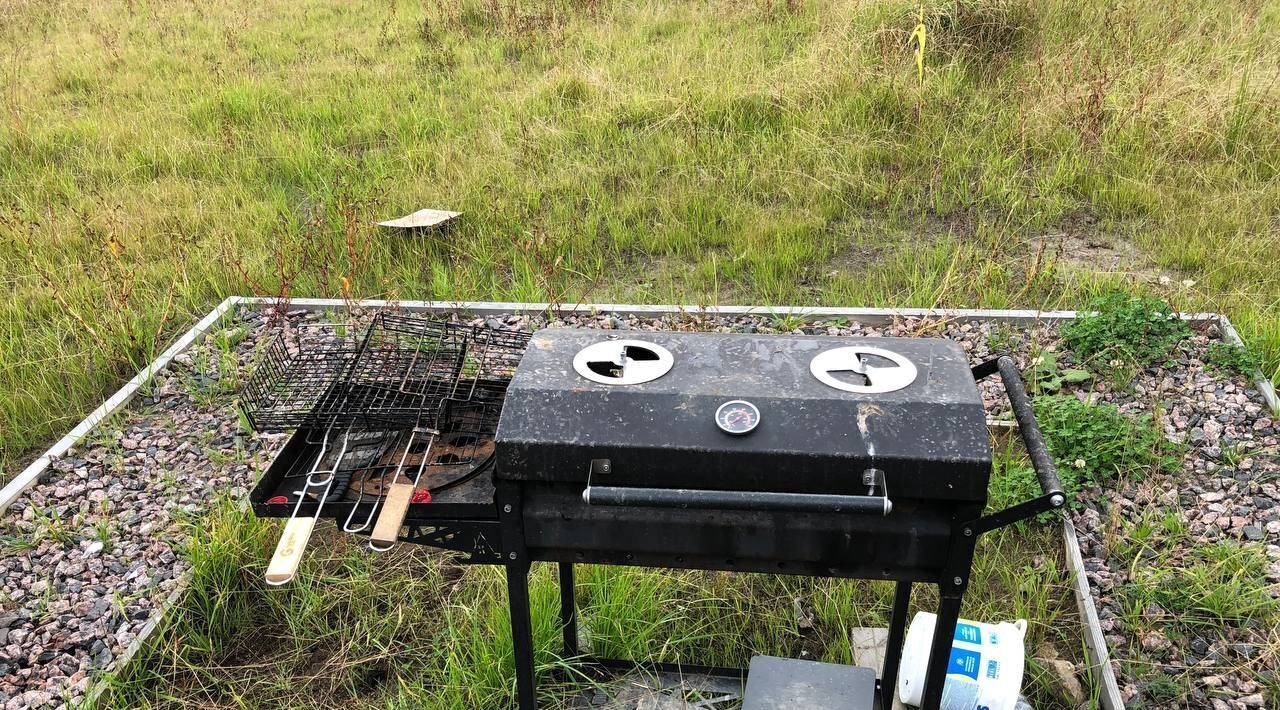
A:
{"points": [[944, 632], [568, 610], [1041, 459], [511, 517], [735, 500], [893, 645], [522, 633]]}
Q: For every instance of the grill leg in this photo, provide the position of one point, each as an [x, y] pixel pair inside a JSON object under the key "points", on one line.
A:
{"points": [[568, 610], [893, 645], [522, 633], [940, 653], [511, 504]]}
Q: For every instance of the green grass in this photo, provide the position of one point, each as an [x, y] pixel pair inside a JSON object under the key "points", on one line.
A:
{"points": [[156, 157], [1215, 587]]}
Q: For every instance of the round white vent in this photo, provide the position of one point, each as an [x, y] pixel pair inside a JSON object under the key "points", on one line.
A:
{"points": [[623, 362], [863, 370]]}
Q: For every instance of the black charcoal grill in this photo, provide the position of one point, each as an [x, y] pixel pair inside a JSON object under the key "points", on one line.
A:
{"points": [[837, 457]]}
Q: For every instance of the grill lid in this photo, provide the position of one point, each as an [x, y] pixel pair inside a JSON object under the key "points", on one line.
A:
{"points": [[818, 412]]}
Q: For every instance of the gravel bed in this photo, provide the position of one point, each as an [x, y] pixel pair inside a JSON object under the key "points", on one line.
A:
{"points": [[93, 551], [1228, 489]]}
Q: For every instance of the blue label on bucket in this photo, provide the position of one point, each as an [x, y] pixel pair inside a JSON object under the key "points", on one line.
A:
{"points": [[965, 663], [993, 669], [968, 633]]}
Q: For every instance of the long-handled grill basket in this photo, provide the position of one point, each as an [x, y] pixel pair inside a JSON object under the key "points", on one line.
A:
{"points": [[429, 392], [300, 381]]}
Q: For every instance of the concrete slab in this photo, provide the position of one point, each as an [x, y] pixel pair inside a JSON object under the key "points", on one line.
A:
{"points": [[868, 651], [793, 684]]}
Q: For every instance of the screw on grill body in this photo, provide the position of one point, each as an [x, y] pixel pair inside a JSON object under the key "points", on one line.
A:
{"points": [[957, 581], [968, 532], [506, 508], [513, 556]]}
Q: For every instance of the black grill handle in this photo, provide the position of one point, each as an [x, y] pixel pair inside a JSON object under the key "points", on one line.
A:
{"points": [[1041, 460], [695, 499]]}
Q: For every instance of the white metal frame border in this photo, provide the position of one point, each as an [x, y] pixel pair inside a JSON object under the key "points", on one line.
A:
{"points": [[1095, 642]]}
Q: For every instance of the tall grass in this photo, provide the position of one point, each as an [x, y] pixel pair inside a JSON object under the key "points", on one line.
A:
{"points": [[155, 158]]}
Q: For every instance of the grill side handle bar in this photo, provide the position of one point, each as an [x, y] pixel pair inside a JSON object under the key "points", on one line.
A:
{"points": [[735, 500], [1052, 495]]}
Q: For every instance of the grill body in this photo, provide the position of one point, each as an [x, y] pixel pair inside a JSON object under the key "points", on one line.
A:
{"points": [[559, 433], [826, 481]]}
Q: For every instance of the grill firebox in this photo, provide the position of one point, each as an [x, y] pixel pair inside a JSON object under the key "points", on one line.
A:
{"points": [[813, 455]]}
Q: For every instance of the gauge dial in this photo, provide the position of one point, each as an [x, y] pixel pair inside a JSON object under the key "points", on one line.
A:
{"points": [[737, 417]]}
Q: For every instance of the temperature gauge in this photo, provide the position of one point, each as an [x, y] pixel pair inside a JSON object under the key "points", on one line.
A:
{"points": [[737, 417]]}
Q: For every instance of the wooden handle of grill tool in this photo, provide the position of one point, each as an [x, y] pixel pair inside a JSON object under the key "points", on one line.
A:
{"points": [[387, 530], [293, 541]]}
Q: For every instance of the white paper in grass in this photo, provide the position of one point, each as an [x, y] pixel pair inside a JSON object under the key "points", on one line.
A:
{"points": [[421, 219]]}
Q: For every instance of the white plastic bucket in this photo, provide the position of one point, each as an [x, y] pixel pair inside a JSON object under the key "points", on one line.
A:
{"points": [[983, 673]]}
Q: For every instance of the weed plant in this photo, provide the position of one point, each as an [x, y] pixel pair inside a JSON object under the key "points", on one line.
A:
{"points": [[1044, 377], [1096, 444], [1231, 359], [1135, 329]]}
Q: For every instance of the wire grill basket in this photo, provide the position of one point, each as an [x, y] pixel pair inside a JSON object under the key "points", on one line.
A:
{"points": [[300, 380], [408, 367], [399, 372]]}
